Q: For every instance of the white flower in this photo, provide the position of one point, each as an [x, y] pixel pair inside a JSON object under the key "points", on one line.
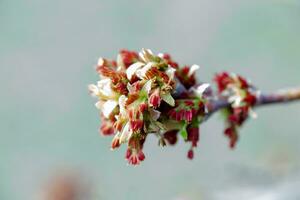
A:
{"points": [[170, 72], [131, 70], [146, 55], [236, 100], [104, 87], [235, 95], [108, 100], [141, 73]]}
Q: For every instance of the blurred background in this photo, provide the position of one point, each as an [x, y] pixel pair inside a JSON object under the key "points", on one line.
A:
{"points": [[49, 125]]}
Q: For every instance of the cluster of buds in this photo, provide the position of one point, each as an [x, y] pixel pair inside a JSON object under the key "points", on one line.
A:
{"points": [[143, 93], [242, 96], [137, 96]]}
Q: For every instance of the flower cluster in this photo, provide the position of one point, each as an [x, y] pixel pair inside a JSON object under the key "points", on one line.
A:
{"points": [[242, 97], [138, 94], [143, 93]]}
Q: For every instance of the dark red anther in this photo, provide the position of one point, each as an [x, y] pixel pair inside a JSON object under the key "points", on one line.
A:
{"points": [[193, 135], [171, 136], [190, 154], [128, 153], [115, 143], [141, 156]]}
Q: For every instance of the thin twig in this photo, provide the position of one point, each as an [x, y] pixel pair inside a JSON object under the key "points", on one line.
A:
{"points": [[283, 96]]}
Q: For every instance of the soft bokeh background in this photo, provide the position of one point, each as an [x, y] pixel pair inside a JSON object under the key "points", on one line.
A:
{"points": [[48, 122]]}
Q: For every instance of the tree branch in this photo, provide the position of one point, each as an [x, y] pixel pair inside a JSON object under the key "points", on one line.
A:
{"points": [[282, 96]]}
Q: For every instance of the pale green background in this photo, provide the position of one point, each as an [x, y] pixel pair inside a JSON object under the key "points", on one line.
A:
{"points": [[48, 50]]}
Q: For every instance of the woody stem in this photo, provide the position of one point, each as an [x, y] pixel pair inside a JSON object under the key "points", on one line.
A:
{"points": [[282, 96]]}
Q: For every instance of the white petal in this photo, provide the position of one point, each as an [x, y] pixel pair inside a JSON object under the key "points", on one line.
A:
{"points": [[130, 88], [146, 55], [108, 107], [236, 100], [201, 89], [93, 89], [147, 86], [232, 98], [120, 61], [99, 105], [193, 69], [132, 69], [104, 86], [100, 61], [142, 57], [147, 51], [142, 72], [103, 82], [161, 55], [170, 72], [125, 134]]}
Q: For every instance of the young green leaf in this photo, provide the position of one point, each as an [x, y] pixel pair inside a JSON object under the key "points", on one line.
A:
{"points": [[168, 99], [183, 131]]}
